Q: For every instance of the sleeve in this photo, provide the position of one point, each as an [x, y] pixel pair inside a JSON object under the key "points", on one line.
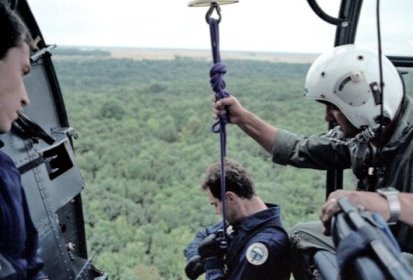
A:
{"points": [[22, 230], [6, 268], [264, 259], [216, 274], [323, 152]]}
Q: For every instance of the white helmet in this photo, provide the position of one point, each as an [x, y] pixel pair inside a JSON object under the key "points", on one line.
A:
{"points": [[348, 77]]}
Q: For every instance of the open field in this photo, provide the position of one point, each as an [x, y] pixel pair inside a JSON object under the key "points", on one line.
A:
{"points": [[206, 55], [169, 54]]}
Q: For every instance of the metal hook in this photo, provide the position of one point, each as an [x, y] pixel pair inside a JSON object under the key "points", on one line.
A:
{"points": [[214, 6]]}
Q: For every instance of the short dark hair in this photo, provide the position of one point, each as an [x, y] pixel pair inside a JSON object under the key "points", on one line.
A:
{"points": [[13, 31], [237, 180]]}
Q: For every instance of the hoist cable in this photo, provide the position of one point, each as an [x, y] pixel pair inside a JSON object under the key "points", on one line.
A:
{"points": [[377, 164], [381, 84], [216, 74]]}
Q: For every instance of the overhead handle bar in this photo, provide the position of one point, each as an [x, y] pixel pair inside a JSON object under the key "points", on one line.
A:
{"points": [[323, 15]]}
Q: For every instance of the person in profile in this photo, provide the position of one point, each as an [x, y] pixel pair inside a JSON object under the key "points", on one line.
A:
{"points": [[257, 246], [18, 236], [371, 134]]}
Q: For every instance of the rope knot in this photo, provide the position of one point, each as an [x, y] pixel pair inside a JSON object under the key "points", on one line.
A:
{"points": [[216, 75]]}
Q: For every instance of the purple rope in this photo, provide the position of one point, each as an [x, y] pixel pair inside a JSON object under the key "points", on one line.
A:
{"points": [[216, 74]]}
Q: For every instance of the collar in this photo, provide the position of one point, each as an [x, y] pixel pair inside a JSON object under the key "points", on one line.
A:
{"points": [[403, 128], [249, 223]]}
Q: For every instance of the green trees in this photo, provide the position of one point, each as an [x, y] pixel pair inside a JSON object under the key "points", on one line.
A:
{"points": [[145, 140]]}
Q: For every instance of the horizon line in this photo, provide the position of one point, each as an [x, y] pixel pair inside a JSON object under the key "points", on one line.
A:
{"points": [[96, 47]]}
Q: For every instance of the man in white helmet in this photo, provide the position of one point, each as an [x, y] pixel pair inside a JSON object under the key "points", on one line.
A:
{"points": [[372, 136]]}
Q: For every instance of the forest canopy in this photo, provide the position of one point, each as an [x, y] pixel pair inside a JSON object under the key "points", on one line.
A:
{"points": [[145, 140]]}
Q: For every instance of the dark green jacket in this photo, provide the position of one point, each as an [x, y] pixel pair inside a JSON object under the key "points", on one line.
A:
{"points": [[330, 151]]}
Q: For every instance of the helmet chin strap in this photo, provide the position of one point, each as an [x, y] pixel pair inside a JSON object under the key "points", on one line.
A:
{"points": [[366, 148], [364, 160]]}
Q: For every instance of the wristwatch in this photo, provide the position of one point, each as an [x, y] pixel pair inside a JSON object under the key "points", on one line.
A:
{"points": [[392, 196]]}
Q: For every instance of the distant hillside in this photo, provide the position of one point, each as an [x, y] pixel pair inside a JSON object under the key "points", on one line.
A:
{"points": [[170, 54]]}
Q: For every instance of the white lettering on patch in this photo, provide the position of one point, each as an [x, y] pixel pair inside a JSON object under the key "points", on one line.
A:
{"points": [[257, 253]]}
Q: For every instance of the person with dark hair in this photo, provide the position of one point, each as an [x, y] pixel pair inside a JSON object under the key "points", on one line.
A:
{"points": [[18, 236], [372, 134], [258, 244]]}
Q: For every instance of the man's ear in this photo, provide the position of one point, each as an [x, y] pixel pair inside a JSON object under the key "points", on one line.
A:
{"points": [[230, 196]]}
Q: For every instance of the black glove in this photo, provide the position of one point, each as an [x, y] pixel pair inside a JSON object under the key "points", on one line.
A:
{"points": [[194, 267], [212, 250]]}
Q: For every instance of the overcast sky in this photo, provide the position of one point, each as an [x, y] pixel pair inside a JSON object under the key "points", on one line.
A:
{"points": [[251, 25]]}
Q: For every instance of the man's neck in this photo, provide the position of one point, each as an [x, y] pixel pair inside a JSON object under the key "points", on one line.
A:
{"points": [[251, 206]]}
